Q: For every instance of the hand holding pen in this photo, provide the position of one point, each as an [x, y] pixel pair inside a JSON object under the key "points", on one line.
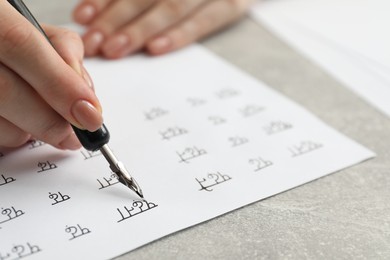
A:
{"points": [[54, 91], [42, 90]]}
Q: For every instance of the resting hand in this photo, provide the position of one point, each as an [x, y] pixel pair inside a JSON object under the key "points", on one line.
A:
{"points": [[117, 28], [42, 90]]}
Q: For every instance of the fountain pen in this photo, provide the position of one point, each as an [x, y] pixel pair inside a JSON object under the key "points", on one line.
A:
{"points": [[92, 141]]}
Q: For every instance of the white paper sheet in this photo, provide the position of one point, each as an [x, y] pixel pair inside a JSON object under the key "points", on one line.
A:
{"points": [[200, 137], [348, 38]]}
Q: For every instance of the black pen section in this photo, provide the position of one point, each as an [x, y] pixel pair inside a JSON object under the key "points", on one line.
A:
{"points": [[92, 141]]}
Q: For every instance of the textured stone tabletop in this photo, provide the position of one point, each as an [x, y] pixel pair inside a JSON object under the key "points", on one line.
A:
{"points": [[345, 215]]}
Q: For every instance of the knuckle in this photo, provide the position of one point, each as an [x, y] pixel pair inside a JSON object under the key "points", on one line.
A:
{"points": [[177, 8], [19, 139], [16, 37], [63, 35], [54, 131], [71, 35], [69, 45], [13, 137]]}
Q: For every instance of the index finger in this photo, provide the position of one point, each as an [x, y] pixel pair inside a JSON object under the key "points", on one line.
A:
{"points": [[25, 51]]}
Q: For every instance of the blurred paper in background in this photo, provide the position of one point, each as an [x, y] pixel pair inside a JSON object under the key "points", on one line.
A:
{"points": [[348, 38]]}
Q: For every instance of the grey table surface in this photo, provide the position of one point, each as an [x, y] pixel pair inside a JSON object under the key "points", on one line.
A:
{"points": [[345, 215]]}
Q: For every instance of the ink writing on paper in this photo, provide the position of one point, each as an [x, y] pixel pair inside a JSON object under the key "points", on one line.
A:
{"points": [[46, 166], [211, 180], [6, 180], [172, 132], [304, 147], [9, 214], [227, 93], [155, 113], [33, 144], [259, 163], [58, 197], [195, 102], [277, 127], [137, 207], [19, 251], [251, 110], [90, 154], [238, 141], [76, 231], [217, 120], [190, 153], [106, 182]]}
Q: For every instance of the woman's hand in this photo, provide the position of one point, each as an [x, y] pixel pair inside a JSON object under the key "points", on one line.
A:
{"points": [[41, 90], [117, 28]]}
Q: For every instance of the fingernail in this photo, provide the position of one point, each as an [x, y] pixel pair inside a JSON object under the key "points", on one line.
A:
{"points": [[85, 13], [92, 42], [160, 44], [87, 116], [117, 46], [70, 143], [88, 78]]}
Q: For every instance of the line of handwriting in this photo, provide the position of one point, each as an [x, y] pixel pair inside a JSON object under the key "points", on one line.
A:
{"points": [[195, 102], [251, 110], [277, 127], [58, 197], [36, 144], [155, 113], [6, 180], [76, 231], [90, 154], [173, 132], [107, 182], [212, 180], [138, 207], [11, 213], [217, 120], [238, 141], [227, 93], [304, 147], [46, 166], [260, 163], [20, 251], [190, 153]]}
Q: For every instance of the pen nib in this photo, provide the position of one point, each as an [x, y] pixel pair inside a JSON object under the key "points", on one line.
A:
{"points": [[120, 170], [125, 178]]}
